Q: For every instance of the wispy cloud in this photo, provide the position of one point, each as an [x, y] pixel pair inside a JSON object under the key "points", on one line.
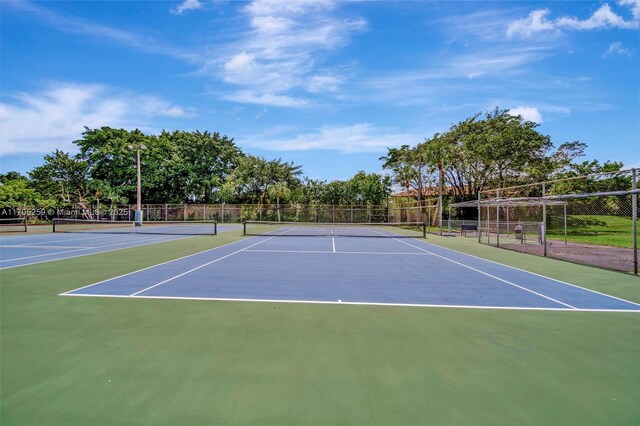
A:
{"points": [[186, 5], [493, 61], [74, 25], [278, 58], [266, 99], [634, 5], [361, 137], [455, 76], [617, 49], [52, 118], [538, 21]]}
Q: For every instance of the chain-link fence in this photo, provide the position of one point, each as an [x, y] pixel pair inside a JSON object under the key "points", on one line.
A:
{"points": [[426, 211], [591, 220], [236, 213]]}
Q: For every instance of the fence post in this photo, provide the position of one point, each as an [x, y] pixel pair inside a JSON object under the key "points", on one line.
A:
{"points": [[544, 220], [497, 219], [479, 220], [565, 223], [441, 209], [488, 225], [508, 224], [634, 219]]}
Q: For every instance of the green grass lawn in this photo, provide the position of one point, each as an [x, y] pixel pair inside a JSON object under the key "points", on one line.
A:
{"points": [[83, 360], [594, 229]]}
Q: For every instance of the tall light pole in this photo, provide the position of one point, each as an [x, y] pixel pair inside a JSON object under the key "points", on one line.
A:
{"points": [[138, 214]]}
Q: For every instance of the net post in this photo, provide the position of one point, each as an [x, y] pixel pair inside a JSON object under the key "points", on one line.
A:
{"points": [[215, 227], [53, 224], [424, 230], [244, 227], [25, 224]]}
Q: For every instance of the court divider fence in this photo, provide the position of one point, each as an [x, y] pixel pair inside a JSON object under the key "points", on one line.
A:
{"points": [[591, 220]]}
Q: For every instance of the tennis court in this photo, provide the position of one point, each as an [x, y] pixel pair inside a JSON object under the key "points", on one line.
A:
{"points": [[353, 322], [344, 265], [74, 238]]}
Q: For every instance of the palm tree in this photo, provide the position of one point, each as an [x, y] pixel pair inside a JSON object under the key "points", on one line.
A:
{"points": [[279, 190], [437, 152], [226, 193]]}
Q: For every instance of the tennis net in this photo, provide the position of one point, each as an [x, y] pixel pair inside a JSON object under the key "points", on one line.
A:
{"points": [[315, 229], [128, 227], [18, 224]]}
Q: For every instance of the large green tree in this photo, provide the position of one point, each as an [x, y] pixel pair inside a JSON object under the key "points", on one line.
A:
{"points": [[66, 178], [490, 150], [255, 175]]}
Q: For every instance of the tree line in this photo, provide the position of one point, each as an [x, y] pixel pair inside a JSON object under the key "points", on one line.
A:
{"points": [[177, 167], [487, 150]]}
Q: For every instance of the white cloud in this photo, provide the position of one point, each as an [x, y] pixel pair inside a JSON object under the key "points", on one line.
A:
{"points": [[492, 62], [527, 113], [278, 57], [361, 137], [536, 22], [261, 98], [240, 67], [635, 7], [186, 5], [324, 83], [91, 28], [616, 48], [603, 17], [53, 118]]}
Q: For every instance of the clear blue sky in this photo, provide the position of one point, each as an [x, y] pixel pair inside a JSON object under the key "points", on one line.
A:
{"points": [[323, 83]]}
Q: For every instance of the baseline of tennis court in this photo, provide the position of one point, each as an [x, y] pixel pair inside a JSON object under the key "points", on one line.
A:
{"points": [[22, 250], [351, 270]]}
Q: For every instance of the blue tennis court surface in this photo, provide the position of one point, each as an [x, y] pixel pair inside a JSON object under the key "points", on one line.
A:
{"points": [[356, 270], [21, 250]]}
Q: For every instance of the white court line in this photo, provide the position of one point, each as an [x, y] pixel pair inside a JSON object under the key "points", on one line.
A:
{"points": [[341, 252], [206, 264], [151, 242], [66, 293], [67, 251], [333, 242], [489, 275], [331, 302], [42, 247], [92, 237], [484, 273], [533, 273]]}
